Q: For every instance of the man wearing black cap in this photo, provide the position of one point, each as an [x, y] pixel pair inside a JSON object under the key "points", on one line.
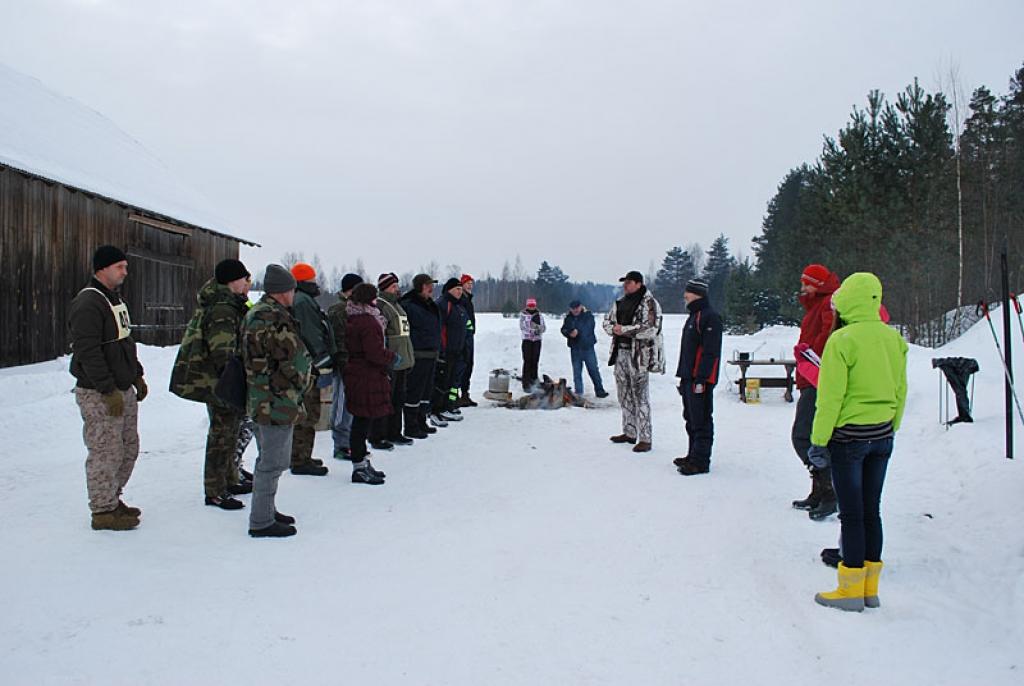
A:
{"points": [[109, 387], [341, 418], [699, 357], [634, 323], [210, 340], [425, 333]]}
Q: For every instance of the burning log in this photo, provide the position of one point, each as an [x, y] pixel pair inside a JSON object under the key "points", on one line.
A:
{"points": [[549, 395]]}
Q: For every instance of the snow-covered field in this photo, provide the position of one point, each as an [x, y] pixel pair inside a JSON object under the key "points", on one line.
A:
{"points": [[514, 548]]}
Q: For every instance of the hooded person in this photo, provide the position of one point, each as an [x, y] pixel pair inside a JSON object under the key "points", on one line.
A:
{"points": [[817, 284], [638, 350], [531, 328], [862, 392], [211, 339], [317, 335]]}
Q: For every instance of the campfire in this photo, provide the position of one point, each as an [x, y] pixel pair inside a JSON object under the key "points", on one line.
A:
{"points": [[549, 395]]}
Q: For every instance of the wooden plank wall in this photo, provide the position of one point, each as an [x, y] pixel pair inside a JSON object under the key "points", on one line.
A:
{"points": [[48, 233]]}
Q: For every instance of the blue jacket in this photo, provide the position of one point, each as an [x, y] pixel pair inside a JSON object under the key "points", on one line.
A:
{"points": [[424, 323], [454, 319], [584, 325]]}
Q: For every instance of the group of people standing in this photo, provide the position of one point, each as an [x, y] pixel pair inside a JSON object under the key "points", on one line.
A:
{"points": [[400, 367]]}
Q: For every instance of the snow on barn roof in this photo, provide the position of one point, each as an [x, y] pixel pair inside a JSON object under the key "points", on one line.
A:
{"points": [[46, 134]]}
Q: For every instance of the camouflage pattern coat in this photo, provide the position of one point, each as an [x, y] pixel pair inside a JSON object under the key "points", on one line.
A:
{"points": [[210, 340], [278, 368]]}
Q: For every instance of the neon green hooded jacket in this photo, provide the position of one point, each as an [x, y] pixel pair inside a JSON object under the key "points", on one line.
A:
{"points": [[863, 378]]}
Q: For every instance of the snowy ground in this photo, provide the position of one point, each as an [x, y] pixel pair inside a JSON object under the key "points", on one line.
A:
{"points": [[515, 548]]}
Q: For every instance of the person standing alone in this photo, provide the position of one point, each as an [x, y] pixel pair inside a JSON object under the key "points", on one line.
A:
{"points": [[109, 386], [638, 350], [532, 328], [699, 359], [578, 329]]}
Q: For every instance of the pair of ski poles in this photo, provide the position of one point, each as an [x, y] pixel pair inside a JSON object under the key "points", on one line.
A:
{"points": [[983, 309]]}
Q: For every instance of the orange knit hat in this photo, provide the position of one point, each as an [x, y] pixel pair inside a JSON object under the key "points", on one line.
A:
{"points": [[303, 272]]}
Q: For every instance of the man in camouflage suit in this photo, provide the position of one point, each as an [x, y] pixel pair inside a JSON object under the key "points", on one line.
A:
{"points": [[316, 335], [278, 372], [210, 340], [108, 389]]}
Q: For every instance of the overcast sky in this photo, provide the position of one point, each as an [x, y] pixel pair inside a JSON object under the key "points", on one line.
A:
{"points": [[593, 134]]}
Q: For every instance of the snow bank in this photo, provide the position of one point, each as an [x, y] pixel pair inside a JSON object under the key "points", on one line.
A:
{"points": [[515, 548]]}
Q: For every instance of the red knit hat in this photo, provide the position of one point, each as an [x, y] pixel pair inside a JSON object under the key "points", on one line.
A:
{"points": [[466, 278], [303, 272], [815, 275], [531, 302]]}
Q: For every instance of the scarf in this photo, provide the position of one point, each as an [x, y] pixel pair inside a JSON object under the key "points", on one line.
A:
{"points": [[353, 309], [625, 309]]}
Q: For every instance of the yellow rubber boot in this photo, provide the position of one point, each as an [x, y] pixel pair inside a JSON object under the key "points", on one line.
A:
{"points": [[850, 594], [872, 570]]}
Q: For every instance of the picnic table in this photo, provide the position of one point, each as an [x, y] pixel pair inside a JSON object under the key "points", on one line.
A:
{"points": [[769, 381]]}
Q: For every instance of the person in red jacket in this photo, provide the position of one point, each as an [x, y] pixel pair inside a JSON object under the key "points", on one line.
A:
{"points": [[817, 284], [367, 386]]}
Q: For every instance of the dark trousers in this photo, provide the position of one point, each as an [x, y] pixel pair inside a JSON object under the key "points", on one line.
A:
{"points": [[391, 426], [467, 371], [357, 441], [803, 421], [858, 473], [698, 413], [531, 361], [419, 386], [442, 384]]}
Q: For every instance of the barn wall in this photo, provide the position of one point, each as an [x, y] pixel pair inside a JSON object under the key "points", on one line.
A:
{"points": [[48, 233]]}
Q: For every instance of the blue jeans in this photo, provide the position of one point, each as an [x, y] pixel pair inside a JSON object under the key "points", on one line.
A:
{"points": [[858, 473], [341, 419], [585, 356]]}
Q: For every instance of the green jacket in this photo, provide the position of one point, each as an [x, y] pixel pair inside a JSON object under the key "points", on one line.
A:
{"points": [[337, 317], [210, 340], [397, 331], [278, 369], [313, 325], [863, 378]]}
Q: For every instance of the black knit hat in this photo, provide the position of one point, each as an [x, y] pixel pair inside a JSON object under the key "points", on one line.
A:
{"points": [[451, 283], [107, 255], [350, 281], [230, 270], [364, 293], [697, 287]]}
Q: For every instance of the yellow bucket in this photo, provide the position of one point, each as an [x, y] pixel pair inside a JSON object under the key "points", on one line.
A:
{"points": [[753, 391]]}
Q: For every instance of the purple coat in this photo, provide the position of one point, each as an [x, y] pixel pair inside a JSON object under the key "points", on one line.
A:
{"points": [[367, 387]]}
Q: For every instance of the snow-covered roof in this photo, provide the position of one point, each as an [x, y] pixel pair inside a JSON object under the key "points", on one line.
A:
{"points": [[56, 137]]}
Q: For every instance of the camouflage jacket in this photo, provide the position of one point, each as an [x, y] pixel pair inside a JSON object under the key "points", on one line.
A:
{"points": [[210, 340], [278, 368]]}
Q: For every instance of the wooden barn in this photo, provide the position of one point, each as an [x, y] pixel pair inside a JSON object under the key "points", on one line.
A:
{"points": [[70, 181]]}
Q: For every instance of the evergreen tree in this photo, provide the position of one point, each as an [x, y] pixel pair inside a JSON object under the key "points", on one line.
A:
{"points": [[717, 268], [676, 270]]}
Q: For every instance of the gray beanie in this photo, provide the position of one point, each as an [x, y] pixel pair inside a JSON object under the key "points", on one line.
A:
{"points": [[277, 279]]}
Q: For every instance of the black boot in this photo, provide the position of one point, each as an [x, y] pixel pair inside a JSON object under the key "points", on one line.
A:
{"points": [[400, 440], [831, 556], [225, 502], [813, 498], [382, 445], [283, 518], [828, 505], [310, 469], [275, 530], [363, 475]]}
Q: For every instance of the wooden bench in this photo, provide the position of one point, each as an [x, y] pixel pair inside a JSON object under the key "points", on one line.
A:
{"points": [[767, 382]]}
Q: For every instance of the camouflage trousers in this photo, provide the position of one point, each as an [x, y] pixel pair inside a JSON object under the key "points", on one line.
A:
{"points": [[113, 444], [634, 396], [305, 431], [245, 433], [221, 441]]}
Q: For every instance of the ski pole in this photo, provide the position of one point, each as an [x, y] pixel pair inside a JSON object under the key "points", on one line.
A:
{"points": [[983, 309], [1016, 305]]}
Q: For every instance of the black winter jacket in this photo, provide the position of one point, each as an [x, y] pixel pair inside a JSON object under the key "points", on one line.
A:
{"points": [[701, 349], [102, 358], [424, 324]]}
